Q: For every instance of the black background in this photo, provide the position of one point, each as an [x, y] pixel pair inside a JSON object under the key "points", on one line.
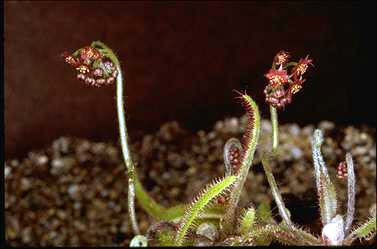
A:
{"points": [[182, 60]]}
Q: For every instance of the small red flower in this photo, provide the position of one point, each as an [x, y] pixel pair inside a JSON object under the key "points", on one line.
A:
{"points": [[302, 66], [281, 58], [277, 96], [83, 69], [70, 59], [89, 54], [294, 88], [277, 77]]}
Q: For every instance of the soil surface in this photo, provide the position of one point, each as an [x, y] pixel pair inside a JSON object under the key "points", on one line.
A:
{"points": [[74, 192]]}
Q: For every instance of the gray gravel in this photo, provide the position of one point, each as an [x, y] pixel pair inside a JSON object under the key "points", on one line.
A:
{"points": [[74, 192]]}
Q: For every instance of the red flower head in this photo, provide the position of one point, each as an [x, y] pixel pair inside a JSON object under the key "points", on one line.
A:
{"points": [[281, 58], [281, 86], [277, 77], [302, 66], [92, 66], [89, 54]]}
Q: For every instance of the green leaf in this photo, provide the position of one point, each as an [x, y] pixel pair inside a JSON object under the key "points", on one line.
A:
{"points": [[153, 208], [250, 141], [264, 212], [365, 231], [202, 200], [325, 188], [247, 220]]}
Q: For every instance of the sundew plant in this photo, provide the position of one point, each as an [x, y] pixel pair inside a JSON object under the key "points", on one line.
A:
{"points": [[214, 217]]}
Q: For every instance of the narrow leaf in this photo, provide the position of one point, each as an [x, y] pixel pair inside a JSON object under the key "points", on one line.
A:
{"points": [[365, 231], [264, 212], [249, 144], [351, 192], [325, 188], [192, 212]]}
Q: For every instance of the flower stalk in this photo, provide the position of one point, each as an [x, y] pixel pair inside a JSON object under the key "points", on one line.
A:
{"points": [[275, 128], [97, 65], [123, 134]]}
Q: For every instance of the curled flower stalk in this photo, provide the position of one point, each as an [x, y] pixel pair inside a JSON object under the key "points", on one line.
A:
{"points": [[97, 65]]}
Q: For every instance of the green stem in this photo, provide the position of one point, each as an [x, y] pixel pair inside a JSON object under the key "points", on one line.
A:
{"points": [[275, 191], [123, 134], [275, 129], [283, 211]]}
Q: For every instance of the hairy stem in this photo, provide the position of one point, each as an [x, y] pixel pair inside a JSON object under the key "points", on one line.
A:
{"points": [[123, 133], [275, 128]]}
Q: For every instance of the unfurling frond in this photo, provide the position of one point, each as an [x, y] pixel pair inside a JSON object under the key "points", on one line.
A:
{"points": [[249, 144]]}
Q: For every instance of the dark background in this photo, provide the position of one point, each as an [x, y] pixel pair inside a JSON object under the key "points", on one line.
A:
{"points": [[181, 62]]}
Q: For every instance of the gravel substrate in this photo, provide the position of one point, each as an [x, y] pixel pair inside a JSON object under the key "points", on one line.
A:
{"points": [[75, 191]]}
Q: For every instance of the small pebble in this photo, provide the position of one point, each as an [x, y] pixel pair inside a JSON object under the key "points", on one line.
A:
{"points": [[296, 152], [294, 130], [7, 171], [208, 230]]}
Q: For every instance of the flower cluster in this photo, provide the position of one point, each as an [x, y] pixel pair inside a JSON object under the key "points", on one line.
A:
{"points": [[235, 158], [341, 170], [282, 86], [93, 67]]}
